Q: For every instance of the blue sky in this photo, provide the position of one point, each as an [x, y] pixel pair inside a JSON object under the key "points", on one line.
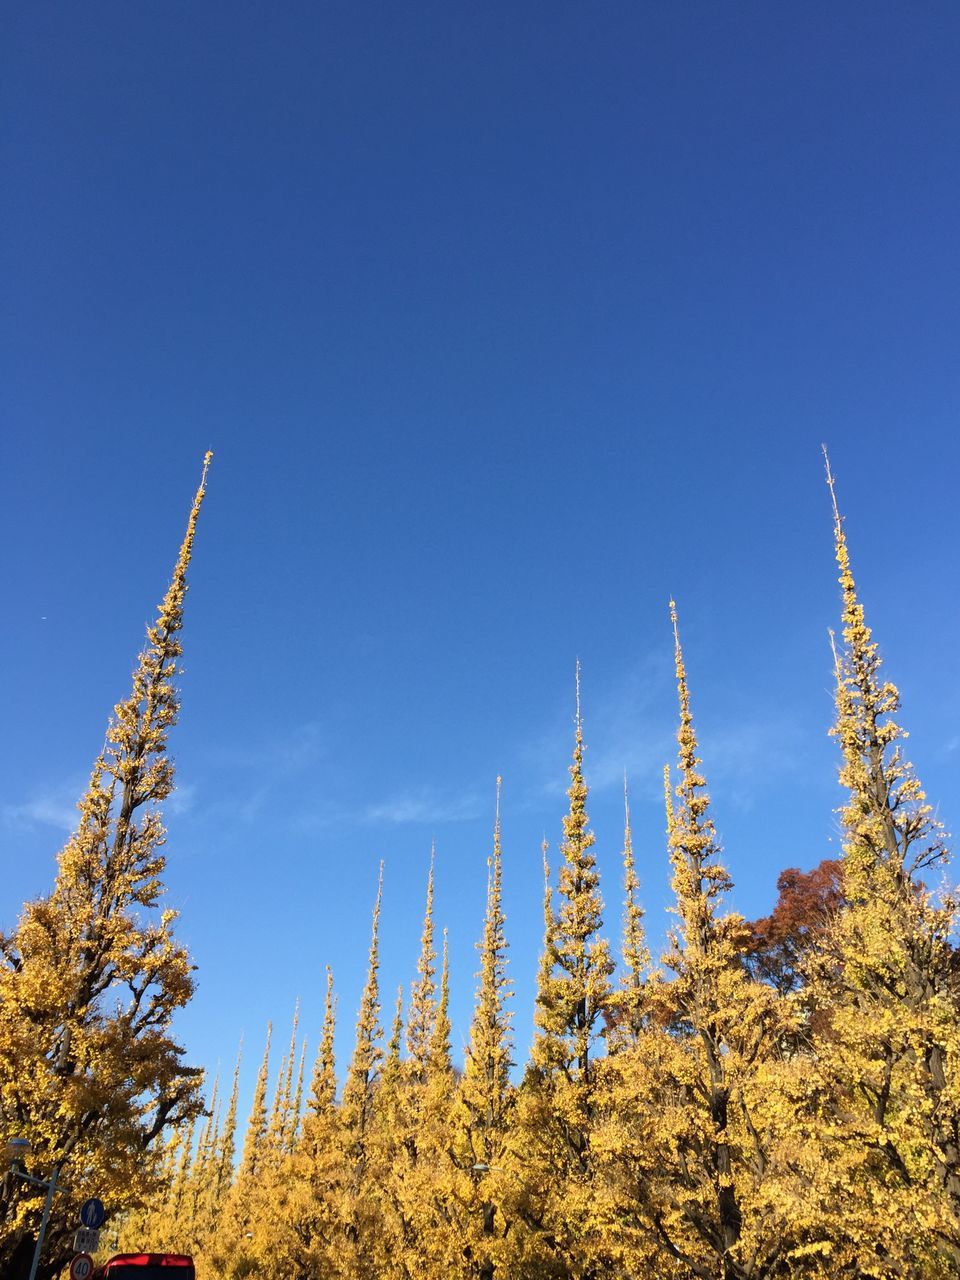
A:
{"points": [[505, 323]]}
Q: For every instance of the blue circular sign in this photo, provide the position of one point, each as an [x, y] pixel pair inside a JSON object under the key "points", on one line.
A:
{"points": [[92, 1213]]}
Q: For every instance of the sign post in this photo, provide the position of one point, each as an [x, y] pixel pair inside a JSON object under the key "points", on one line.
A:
{"points": [[51, 1188]]}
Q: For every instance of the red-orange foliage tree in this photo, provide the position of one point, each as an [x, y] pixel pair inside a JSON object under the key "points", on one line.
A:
{"points": [[806, 903]]}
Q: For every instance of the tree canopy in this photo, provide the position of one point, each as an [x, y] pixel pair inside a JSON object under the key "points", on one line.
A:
{"points": [[769, 1098]]}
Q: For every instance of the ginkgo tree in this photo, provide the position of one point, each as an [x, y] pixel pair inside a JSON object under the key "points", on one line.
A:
{"points": [[887, 988], [552, 1156], [90, 1072]]}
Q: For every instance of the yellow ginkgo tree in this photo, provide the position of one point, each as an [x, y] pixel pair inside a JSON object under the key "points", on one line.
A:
{"points": [[887, 987], [696, 1176], [91, 977], [552, 1166]]}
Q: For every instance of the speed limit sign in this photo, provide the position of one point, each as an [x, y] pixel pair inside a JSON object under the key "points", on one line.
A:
{"points": [[81, 1268]]}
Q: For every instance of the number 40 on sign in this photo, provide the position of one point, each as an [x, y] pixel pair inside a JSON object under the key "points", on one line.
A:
{"points": [[81, 1268]]}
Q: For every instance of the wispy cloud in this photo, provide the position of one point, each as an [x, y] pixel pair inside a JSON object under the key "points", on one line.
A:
{"points": [[738, 758], [240, 778], [52, 806], [623, 730], [261, 768], [630, 726], [234, 809], [412, 806], [422, 805], [743, 757], [183, 800], [280, 755], [56, 806]]}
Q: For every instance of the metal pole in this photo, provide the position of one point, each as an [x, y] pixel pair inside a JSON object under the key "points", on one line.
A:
{"points": [[51, 1188]]}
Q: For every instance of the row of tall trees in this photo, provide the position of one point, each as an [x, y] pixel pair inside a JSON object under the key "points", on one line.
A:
{"points": [[776, 1099]]}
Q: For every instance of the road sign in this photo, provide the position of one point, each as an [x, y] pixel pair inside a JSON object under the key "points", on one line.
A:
{"points": [[86, 1240], [92, 1213], [81, 1268]]}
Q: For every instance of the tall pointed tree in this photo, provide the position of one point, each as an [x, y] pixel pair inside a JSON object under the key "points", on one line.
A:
{"points": [[367, 1054], [690, 1138], [308, 1232], [362, 1242], [422, 1015], [629, 1004], [299, 1224], [576, 993], [413, 1106], [392, 1063], [227, 1145], [440, 1053], [323, 1087], [257, 1122], [545, 966], [485, 1090], [551, 1146], [208, 1134], [93, 974], [889, 1030], [203, 1171], [415, 1141], [296, 1110], [281, 1114], [181, 1178], [485, 1097], [699, 953]]}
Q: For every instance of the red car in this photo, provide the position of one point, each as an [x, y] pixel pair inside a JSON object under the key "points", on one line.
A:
{"points": [[147, 1266]]}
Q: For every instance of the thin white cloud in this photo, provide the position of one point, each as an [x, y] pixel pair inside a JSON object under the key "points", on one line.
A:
{"points": [[738, 759], [276, 757], [630, 726], [240, 779], [182, 801], [55, 807], [623, 729], [422, 805], [242, 809], [641, 756], [751, 747]]}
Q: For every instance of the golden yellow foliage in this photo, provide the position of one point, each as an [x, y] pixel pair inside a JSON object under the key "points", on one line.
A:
{"points": [[92, 976], [691, 1122]]}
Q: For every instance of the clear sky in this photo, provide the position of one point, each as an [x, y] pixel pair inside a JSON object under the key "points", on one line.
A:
{"points": [[505, 322]]}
